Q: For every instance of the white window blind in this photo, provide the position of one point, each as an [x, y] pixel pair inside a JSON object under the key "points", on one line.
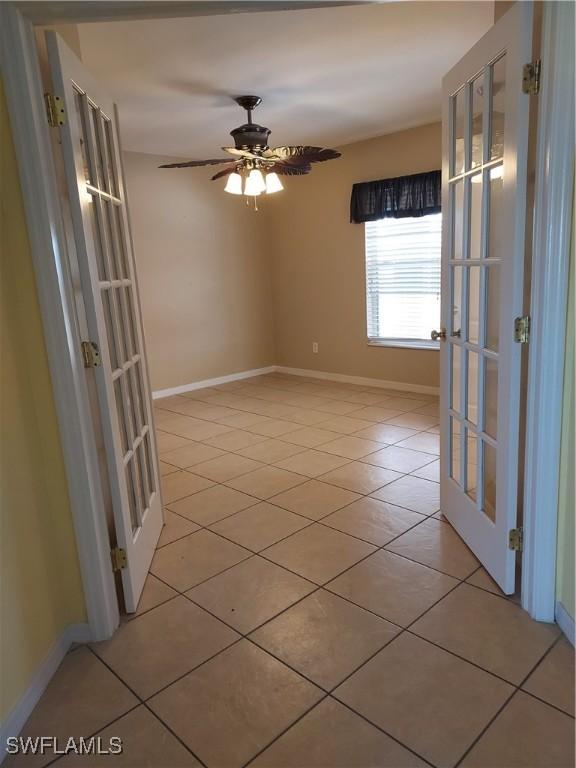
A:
{"points": [[403, 278]]}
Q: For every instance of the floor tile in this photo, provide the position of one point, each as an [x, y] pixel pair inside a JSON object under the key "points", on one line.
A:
{"points": [[437, 708], [386, 433], [175, 527], [432, 409], [191, 454], [311, 463], [331, 736], [482, 579], [250, 593], [82, 697], [339, 408], [553, 678], [374, 521], [226, 467], [196, 429], [271, 451], [154, 593], [399, 459], [489, 631], [376, 413], [423, 441], [393, 587], [188, 561], [246, 698], [404, 403], [305, 417], [436, 544], [241, 420], [146, 743], [429, 472], [413, 421], [215, 503], [346, 425], [266, 482], [324, 637], [180, 484], [163, 644], [315, 499], [318, 553], [166, 442], [351, 447], [259, 526], [413, 493], [166, 469], [309, 437], [528, 734], [235, 439], [273, 428], [360, 478]]}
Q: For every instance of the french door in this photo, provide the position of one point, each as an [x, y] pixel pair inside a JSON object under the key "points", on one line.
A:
{"points": [[485, 146], [99, 215]]}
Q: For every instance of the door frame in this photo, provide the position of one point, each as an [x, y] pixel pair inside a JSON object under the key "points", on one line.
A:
{"points": [[553, 212], [552, 219]]}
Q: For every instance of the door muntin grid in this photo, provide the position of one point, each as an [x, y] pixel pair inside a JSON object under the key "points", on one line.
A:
{"points": [[476, 166], [118, 303]]}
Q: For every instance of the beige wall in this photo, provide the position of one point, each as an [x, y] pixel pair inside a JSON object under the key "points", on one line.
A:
{"points": [[204, 274], [40, 585], [318, 262]]}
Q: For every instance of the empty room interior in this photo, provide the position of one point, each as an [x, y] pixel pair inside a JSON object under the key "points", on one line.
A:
{"points": [[287, 384]]}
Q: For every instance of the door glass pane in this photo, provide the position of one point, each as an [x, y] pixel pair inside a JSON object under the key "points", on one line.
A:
{"points": [[472, 388], [492, 306], [101, 182], [456, 301], [149, 464], [498, 97], [120, 333], [110, 335], [456, 368], [131, 488], [471, 464], [458, 105], [473, 304], [93, 212], [132, 319], [122, 258], [475, 216], [477, 121], [121, 416], [144, 492], [489, 481], [79, 102], [455, 449], [490, 397], [458, 222], [495, 220]]}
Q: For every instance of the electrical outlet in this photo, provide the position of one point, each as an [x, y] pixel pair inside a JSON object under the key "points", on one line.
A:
{"points": [[315, 347]]}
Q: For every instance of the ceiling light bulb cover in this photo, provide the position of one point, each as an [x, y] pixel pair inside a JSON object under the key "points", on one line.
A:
{"points": [[255, 183], [273, 183], [234, 184]]}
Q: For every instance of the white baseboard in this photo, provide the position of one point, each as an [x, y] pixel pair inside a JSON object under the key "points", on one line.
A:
{"points": [[15, 720], [565, 621], [361, 380], [159, 393]]}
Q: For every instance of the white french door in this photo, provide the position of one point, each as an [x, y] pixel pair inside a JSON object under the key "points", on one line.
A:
{"points": [[485, 147], [99, 215]]}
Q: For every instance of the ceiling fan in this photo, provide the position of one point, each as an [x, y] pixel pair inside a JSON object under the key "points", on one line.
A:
{"points": [[255, 168]]}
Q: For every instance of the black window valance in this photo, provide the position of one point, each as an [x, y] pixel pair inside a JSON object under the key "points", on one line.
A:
{"points": [[415, 195]]}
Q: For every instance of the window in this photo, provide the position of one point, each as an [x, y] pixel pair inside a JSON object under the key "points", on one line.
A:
{"points": [[403, 280]]}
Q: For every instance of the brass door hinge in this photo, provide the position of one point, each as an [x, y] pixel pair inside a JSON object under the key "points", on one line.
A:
{"points": [[55, 111], [90, 354], [516, 539], [522, 329], [531, 77], [119, 559]]}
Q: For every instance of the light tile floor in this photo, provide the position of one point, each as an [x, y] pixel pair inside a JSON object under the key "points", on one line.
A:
{"points": [[308, 607]]}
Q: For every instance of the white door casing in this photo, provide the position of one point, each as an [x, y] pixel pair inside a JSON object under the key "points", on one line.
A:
{"points": [[484, 164], [99, 214]]}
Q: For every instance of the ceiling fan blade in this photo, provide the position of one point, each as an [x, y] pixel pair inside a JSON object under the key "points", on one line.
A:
{"points": [[290, 169], [197, 163], [242, 153], [306, 154], [225, 171]]}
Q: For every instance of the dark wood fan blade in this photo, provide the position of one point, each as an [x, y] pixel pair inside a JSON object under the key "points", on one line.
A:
{"points": [[225, 171], [290, 169], [197, 163], [241, 153], [305, 154]]}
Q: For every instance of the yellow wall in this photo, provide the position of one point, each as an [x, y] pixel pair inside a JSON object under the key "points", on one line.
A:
{"points": [[565, 575], [319, 262], [40, 585]]}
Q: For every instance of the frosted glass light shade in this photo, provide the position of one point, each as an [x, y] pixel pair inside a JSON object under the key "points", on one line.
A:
{"points": [[255, 183], [234, 184], [273, 183]]}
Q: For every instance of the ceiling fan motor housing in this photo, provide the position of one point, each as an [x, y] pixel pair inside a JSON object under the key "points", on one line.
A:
{"points": [[250, 136]]}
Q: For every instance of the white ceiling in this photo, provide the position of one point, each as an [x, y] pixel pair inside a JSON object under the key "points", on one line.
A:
{"points": [[327, 76]]}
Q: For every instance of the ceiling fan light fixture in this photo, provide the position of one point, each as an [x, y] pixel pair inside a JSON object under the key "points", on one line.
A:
{"points": [[255, 183], [273, 183], [234, 184]]}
